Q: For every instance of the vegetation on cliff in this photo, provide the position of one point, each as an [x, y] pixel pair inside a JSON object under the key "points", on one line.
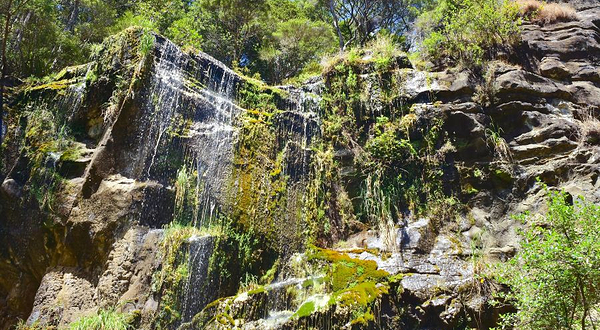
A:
{"points": [[375, 154]]}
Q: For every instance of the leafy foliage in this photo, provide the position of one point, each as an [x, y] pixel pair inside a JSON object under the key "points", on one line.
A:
{"points": [[104, 320], [359, 21], [556, 276], [469, 31], [295, 43]]}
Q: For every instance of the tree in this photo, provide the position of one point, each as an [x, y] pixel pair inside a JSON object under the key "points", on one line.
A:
{"points": [[555, 277], [230, 27], [358, 21], [295, 43], [10, 10]]}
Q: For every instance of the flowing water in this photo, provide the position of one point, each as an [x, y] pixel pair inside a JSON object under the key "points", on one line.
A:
{"points": [[190, 120], [200, 289]]}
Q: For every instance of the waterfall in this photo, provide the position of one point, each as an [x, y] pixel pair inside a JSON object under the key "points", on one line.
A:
{"points": [[190, 122], [299, 125], [199, 289]]}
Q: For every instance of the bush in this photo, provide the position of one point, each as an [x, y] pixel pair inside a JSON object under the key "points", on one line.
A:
{"points": [[546, 13], [382, 52], [295, 44], [555, 277], [104, 320], [469, 31]]}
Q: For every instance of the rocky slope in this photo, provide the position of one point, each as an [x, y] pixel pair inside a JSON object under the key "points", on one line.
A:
{"points": [[101, 157]]}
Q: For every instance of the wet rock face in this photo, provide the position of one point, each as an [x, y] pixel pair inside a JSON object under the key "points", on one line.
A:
{"points": [[95, 244], [136, 123]]}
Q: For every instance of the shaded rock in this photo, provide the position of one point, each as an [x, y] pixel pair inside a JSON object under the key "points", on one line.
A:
{"points": [[10, 189], [522, 85], [552, 67], [64, 296]]}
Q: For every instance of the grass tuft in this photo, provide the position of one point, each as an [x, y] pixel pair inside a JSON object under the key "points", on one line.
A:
{"points": [[543, 13], [104, 320], [590, 128]]}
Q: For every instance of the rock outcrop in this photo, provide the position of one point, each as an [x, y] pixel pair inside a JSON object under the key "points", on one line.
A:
{"points": [[103, 157]]}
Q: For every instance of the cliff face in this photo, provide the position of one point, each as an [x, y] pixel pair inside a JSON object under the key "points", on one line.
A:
{"points": [[103, 157]]}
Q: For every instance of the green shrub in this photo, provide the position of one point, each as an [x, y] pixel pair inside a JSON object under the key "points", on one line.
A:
{"points": [[555, 277], [22, 325], [104, 320], [146, 42], [468, 32], [386, 145]]}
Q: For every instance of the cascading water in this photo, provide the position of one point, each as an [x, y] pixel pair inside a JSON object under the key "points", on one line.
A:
{"points": [[299, 125], [199, 289], [190, 126], [188, 130], [212, 136]]}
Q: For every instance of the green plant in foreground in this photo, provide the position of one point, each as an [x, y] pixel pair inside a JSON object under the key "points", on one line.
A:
{"points": [[556, 277], [104, 320], [22, 325]]}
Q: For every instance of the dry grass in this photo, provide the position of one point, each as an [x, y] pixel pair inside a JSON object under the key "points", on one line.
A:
{"points": [[546, 13], [590, 128], [389, 235]]}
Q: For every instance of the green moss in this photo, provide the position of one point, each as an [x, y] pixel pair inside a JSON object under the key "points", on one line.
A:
{"points": [[54, 85], [501, 177], [225, 319], [271, 273], [71, 154], [352, 283], [258, 189], [469, 189], [362, 294], [394, 279], [346, 273], [363, 319], [260, 289], [256, 96]]}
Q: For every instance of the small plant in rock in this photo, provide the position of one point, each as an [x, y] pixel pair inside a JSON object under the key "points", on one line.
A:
{"points": [[590, 127], [482, 285], [485, 92], [22, 325], [146, 42], [249, 282], [498, 143]]}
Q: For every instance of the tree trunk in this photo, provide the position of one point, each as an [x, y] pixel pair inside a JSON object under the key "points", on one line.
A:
{"points": [[583, 301], [73, 18], [5, 36], [336, 24]]}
